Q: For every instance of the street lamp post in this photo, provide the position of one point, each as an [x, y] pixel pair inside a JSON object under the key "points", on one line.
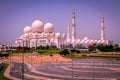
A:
{"points": [[31, 60], [93, 69], [23, 62], [72, 68], [51, 59], [10, 64], [22, 66], [41, 57], [31, 57]]}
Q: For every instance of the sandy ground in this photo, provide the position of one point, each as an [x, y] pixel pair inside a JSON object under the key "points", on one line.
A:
{"points": [[35, 58]]}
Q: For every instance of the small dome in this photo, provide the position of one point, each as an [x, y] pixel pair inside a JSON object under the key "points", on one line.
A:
{"points": [[82, 41], [85, 38], [95, 41], [37, 26], [91, 41], [86, 41], [103, 41], [57, 35], [49, 27], [68, 40], [21, 37], [78, 41], [99, 41], [73, 41], [63, 36], [27, 29]]}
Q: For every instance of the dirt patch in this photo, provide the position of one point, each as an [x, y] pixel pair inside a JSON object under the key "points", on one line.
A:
{"points": [[35, 58]]}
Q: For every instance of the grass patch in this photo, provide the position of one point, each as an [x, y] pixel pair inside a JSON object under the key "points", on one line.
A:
{"points": [[2, 77], [105, 55], [48, 52], [70, 56]]}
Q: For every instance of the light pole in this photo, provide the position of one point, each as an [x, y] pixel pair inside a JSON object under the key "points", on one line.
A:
{"points": [[10, 63], [22, 66], [93, 69], [41, 57], [51, 59], [72, 68], [23, 62], [31, 60]]}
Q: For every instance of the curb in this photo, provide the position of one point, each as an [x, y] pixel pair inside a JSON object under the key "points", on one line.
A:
{"points": [[7, 74]]}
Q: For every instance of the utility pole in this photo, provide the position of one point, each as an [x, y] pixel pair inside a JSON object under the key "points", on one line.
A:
{"points": [[23, 62]]}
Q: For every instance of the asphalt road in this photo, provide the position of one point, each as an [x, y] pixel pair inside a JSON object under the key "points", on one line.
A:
{"points": [[77, 69]]}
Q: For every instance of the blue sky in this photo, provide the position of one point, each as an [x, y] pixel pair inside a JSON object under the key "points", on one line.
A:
{"points": [[16, 14]]}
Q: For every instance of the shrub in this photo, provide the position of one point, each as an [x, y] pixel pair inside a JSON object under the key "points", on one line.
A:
{"points": [[4, 55], [84, 55], [64, 52], [105, 48], [73, 50]]}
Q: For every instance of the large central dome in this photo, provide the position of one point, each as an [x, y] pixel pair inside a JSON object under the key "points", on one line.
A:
{"points": [[37, 26]]}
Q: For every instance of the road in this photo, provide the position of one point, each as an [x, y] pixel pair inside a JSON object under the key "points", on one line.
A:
{"points": [[77, 69]]}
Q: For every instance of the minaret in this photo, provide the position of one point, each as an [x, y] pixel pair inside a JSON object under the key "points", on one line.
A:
{"points": [[68, 31], [73, 28], [102, 29]]}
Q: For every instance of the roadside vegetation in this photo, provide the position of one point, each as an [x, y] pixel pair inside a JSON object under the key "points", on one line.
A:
{"points": [[104, 48], [4, 67], [79, 51], [94, 51], [4, 55]]}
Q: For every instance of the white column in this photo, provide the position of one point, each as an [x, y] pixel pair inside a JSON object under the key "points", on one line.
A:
{"points": [[102, 29], [73, 28], [68, 31]]}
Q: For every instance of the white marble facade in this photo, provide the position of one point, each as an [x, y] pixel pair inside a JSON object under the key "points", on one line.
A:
{"points": [[40, 34]]}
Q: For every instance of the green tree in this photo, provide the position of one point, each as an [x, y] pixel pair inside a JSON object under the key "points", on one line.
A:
{"points": [[80, 46], [47, 47], [92, 48], [105, 48], [116, 47]]}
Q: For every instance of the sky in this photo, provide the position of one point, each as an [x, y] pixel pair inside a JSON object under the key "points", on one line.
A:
{"points": [[15, 15]]}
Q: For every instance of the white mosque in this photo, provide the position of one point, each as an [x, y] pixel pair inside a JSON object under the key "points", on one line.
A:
{"points": [[43, 34], [40, 34]]}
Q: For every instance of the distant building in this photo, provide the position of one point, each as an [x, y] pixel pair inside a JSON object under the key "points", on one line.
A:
{"points": [[2, 48]]}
